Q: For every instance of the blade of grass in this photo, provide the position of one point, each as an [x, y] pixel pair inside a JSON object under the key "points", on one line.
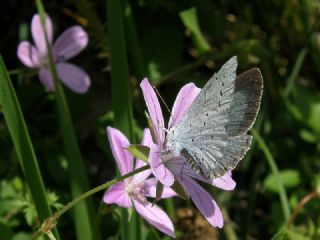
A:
{"points": [[83, 212], [282, 192], [134, 48], [295, 71], [190, 20], [23, 146], [121, 97]]}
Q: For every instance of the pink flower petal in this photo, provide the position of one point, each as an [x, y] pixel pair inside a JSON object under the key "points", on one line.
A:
{"points": [[154, 110], [46, 79], [38, 34], [117, 195], [158, 168], [224, 182], [119, 143], [155, 216], [180, 168], [73, 77], [152, 187], [70, 43], [28, 55], [184, 99], [204, 202], [146, 138]]}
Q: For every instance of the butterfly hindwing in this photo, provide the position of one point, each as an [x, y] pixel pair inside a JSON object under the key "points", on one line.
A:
{"points": [[246, 102]]}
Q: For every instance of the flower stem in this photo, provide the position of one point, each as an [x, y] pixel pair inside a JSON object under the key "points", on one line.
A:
{"points": [[274, 168], [50, 222]]}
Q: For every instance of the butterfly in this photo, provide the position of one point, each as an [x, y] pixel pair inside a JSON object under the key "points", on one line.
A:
{"points": [[212, 135]]}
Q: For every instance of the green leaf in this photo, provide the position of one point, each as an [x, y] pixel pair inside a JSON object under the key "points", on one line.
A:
{"points": [[286, 234], [30, 214], [189, 19], [314, 117], [22, 142], [23, 236], [5, 231], [139, 152], [289, 177], [308, 136]]}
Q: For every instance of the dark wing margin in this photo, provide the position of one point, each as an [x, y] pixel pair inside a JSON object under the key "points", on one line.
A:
{"points": [[246, 102]]}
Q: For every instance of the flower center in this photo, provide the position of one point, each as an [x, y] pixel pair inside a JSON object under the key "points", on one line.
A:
{"points": [[136, 191]]}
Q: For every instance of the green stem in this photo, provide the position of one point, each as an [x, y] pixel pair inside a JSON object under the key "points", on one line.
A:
{"points": [[97, 189], [121, 94], [83, 218], [46, 226], [283, 195]]}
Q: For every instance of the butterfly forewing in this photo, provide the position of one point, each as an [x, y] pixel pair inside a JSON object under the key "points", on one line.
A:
{"points": [[212, 133]]}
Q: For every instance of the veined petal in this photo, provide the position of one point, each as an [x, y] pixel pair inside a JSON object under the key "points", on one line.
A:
{"points": [[152, 187], [38, 33], [154, 110], [158, 168], [146, 138], [46, 79], [155, 216], [119, 143], [117, 195], [70, 43], [203, 201], [28, 55], [184, 99], [73, 77]]}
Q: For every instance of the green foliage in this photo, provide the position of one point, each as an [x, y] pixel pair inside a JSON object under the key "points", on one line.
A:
{"points": [[172, 43], [286, 234], [139, 152], [289, 177], [189, 19]]}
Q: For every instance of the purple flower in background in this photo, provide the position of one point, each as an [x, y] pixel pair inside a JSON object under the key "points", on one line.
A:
{"points": [[70, 43], [175, 167], [134, 190]]}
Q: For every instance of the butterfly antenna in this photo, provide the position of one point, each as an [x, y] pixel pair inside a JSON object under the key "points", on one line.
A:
{"points": [[164, 103]]}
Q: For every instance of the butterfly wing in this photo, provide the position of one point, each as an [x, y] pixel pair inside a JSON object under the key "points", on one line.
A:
{"points": [[212, 134]]}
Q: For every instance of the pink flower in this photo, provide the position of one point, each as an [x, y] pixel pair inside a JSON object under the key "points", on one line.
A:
{"points": [[175, 167], [134, 190], [69, 44]]}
